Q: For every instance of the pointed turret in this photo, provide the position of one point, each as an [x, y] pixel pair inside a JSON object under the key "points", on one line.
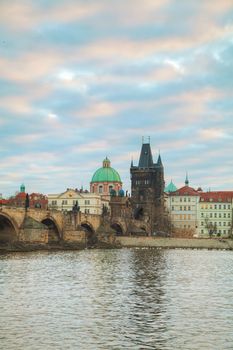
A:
{"points": [[159, 161]]}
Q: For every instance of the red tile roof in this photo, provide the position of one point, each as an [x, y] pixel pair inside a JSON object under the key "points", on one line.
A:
{"points": [[185, 191], [21, 195], [216, 196], [4, 201]]}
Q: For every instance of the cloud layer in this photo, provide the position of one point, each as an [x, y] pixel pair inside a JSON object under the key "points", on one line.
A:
{"points": [[84, 79]]}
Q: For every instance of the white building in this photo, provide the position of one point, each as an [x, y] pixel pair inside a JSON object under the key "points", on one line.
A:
{"points": [[89, 203], [215, 214], [182, 209]]}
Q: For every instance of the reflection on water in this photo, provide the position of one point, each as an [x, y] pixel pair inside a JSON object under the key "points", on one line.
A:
{"points": [[117, 299]]}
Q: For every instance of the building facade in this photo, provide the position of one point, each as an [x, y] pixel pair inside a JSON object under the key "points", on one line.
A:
{"points": [[36, 200], [215, 214], [105, 179], [88, 203], [147, 189], [182, 208]]}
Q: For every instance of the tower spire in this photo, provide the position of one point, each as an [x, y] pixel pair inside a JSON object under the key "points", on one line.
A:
{"points": [[186, 180]]}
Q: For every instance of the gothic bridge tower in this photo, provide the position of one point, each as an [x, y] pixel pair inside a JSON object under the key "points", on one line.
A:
{"points": [[147, 189]]}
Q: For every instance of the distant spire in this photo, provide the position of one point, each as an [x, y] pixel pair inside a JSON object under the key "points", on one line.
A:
{"points": [[186, 180], [131, 162]]}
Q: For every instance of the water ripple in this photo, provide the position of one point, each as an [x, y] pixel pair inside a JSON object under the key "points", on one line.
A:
{"points": [[117, 299]]}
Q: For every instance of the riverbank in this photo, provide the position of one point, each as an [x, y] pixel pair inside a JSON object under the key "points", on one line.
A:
{"points": [[127, 242], [171, 243]]}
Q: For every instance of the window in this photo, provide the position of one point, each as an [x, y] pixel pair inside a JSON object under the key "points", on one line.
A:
{"points": [[87, 211], [229, 215], [188, 199], [202, 231], [64, 202], [202, 215], [202, 223], [180, 207], [229, 207], [220, 207], [172, 207], [180, 199], [54, 202], [215, 206], [100, 189], [215, 215], [189, 208], [172, 199], [220, 224], [184, 199], [224, 224], [185, 207], [224, 215], [211, 215], [229, 224], [87, 202], [224, 206]]}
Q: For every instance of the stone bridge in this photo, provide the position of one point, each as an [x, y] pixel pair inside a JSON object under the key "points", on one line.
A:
{"points": [[127, 227], [46, 226]]}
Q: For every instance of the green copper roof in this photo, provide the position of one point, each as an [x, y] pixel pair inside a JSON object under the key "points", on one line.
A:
{"points": [[22, 188], [170, 188], [106, 173]]}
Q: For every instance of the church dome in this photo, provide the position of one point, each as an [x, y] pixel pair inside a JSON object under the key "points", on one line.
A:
{"points": [[106, 173], [170, 188]]}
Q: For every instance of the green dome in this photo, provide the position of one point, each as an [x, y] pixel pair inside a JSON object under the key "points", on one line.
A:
{"points": [[170, 188], [106, 173]]}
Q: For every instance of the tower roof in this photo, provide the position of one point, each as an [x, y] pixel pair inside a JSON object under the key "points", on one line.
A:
{"points": [[170, 187], [146, 159]]}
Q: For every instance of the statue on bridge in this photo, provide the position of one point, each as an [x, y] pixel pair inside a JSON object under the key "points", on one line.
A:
{"points": [[76, 208]]}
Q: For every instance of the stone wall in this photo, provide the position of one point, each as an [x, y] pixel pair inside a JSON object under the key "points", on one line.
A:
{"points": [[74, 236], [155, 242]]}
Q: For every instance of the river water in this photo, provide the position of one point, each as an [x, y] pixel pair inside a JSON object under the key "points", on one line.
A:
{"points": [[117, 299]]}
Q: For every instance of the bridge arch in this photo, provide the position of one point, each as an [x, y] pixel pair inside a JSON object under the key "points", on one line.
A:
{"points": [[117, 227], [54, 232], [90, 233], [9, 230], [144, 229]]}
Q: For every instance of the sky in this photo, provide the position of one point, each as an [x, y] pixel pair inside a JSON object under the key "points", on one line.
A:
{"points": [[85, 79]]}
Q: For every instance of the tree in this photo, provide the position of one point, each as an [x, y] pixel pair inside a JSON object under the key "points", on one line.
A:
{"points": [[210, 227]]}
